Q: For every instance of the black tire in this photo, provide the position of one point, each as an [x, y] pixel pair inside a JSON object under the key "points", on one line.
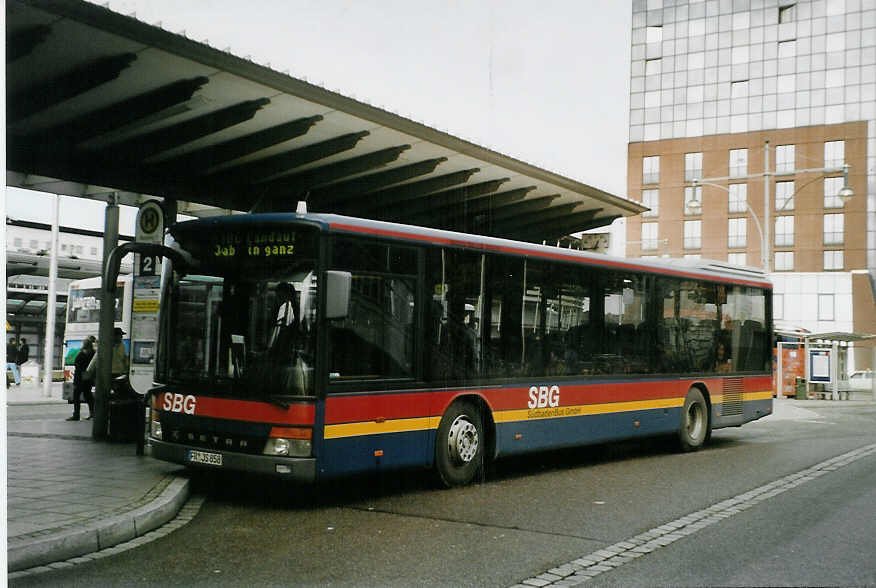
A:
{"points": [[459, 444], [695, 427]]}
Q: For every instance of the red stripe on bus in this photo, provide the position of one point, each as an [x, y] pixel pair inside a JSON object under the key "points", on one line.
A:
{"points": [[262, 412], [542, 254], [372, 407], [387, 406]]}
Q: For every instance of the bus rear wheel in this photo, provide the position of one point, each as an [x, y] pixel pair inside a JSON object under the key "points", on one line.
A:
{"points": [[459, 445], [694, 428]]}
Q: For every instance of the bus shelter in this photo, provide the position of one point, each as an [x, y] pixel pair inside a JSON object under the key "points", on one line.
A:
{"points": [[827, 364]]}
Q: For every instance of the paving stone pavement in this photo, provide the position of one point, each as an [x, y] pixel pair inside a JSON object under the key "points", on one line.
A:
{"points": [[68, 495]]}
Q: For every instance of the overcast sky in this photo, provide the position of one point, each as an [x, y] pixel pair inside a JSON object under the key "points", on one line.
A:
{"points": [[544, 82]]}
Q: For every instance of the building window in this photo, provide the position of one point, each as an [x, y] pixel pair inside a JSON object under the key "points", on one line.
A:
{"points": [[738, 198], [784, 261], [779, 306], [825, 307], [784, 159], [832, 187], [17, 242], [649, 236], [651, 170], [693, 166], [737, 258], [736, 232], [653, 67], [692, 256], [787, 49], [695, 94], [693, 194], [63, 247], [653, 34], [834, 153], [739, 89], [738, 163], [833, 229], [650, 198], [787, 13], [693, 234], [94, 250], [784, 195], [784, 231], [833, 260], [34, 244], [739, 54]]}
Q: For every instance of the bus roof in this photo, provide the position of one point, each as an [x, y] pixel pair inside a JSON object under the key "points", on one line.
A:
{"points": [[694, 269]]}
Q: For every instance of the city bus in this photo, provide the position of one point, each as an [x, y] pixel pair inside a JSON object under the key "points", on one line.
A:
{"points": [[83, 316], [315, 346]]}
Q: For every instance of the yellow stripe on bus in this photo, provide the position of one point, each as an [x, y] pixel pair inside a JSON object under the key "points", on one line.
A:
{"points": [[529, 414], [517, 415], [375, 428], [746, 397]]}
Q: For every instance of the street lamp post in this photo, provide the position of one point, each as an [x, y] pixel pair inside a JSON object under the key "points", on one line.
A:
{"points": [[844, 194]]}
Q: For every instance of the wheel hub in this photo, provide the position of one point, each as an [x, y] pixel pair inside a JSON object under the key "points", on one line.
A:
{"points": [[462, 440]]}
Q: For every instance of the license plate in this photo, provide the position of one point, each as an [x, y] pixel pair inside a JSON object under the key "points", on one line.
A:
{"points": [[214, 459]]}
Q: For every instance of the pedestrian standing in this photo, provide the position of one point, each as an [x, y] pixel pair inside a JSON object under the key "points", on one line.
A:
{"points": [[82, 381], [11, 359], [23, 352]]}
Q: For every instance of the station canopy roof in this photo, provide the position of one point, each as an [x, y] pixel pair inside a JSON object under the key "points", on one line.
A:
{"points": [[99, 102]]}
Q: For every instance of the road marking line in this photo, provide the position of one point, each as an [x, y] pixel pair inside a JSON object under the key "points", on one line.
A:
{"points": [[582, 569]]}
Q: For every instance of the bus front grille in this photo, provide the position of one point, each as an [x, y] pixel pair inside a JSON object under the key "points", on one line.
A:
{"points": [[732, 396]]}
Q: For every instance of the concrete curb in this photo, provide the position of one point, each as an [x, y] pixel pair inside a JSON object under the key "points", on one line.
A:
{"points": [[102, 534]]}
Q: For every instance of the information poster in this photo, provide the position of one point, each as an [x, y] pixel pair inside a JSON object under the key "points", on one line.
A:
{"points": [[147, 286], [819, 366]]}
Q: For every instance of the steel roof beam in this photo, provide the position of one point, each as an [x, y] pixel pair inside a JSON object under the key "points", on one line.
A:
{"points": [[137, 149], [475, 206], [541, 217], [526, 207], [214, 155], [73, 83], [328, 196], [558, 229], [302, 182], [275, 165], [22, 43], [380, 200], [125, 112], [456, 196]]}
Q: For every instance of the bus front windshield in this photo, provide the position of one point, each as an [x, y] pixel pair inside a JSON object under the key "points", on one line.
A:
{"points": [[246, 335]]}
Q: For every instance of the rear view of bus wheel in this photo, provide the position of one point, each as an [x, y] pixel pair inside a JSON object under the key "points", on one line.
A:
{"points": [[694, 429], [459, 446]]}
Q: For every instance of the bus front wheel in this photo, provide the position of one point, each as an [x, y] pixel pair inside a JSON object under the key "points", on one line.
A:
{"points": [[694, 429], [459, 446]]}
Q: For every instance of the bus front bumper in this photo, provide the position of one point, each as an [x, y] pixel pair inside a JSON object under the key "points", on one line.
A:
{"points": [[299, 469]]}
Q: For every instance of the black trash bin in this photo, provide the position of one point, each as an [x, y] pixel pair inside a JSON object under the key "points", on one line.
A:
{"points": [[123, 414]]}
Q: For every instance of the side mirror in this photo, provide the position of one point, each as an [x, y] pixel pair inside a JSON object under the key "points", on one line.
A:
{"points": [[337, 299]]}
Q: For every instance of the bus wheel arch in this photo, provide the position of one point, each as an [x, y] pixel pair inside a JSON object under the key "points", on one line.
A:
{"points": [[464, 440], [695, 426]]}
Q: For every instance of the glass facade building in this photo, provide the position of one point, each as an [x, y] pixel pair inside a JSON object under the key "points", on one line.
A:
{"points": [[749, 95]]}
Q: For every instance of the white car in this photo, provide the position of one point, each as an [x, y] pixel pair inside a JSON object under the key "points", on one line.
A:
{"points": [[861, 380]]}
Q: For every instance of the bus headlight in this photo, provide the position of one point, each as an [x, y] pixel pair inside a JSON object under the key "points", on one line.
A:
{"points": [[287, 447]]}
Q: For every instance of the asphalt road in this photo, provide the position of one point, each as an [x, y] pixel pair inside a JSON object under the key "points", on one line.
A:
{"points": [[534, 514]]}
